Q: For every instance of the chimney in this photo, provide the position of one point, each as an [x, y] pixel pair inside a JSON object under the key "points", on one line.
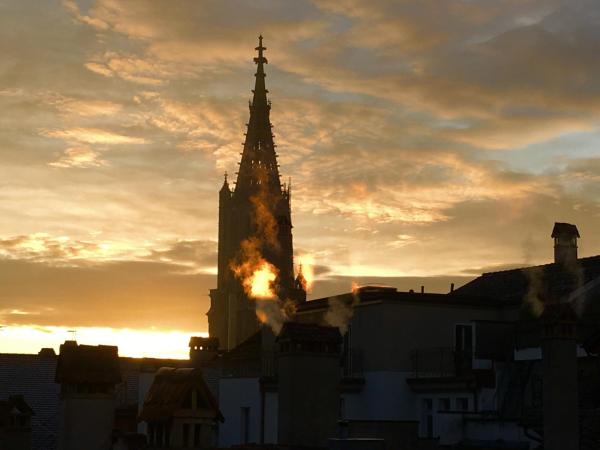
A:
{"points": [[565, 242], [308, 373], [559, 364], [87, 376], [203, 349], [422, 289], [451, 287]]}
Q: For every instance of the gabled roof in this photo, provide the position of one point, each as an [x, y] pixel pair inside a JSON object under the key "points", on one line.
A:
{"points": [[87, 364], [549, 282], [15, 404], [170, 392]]}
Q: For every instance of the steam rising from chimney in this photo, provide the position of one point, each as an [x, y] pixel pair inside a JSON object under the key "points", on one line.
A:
{"points": [[565, 253]]}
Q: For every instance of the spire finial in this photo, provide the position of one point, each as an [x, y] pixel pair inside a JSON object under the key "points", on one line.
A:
{"points": [[225, 178], [260, 59]]}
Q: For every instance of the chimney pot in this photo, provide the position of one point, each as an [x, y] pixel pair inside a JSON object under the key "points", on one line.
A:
{"points": [[565, 242]]}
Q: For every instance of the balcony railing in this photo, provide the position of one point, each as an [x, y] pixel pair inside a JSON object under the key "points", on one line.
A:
{"points": [[440, 362]]}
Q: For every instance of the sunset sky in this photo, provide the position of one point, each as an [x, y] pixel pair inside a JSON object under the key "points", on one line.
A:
{"points": [[427, 141]]}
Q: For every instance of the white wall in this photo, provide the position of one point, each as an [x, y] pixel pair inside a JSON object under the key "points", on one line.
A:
{"points": [[507, 431], [385, 396], [445, 425], [234, 394]]}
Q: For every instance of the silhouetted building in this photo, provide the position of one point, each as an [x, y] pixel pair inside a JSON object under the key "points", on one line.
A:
{"points": [[15, 423], [256, 211], [87, 376], [180, 410]]}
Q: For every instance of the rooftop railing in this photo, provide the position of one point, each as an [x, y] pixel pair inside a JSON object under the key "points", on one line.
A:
{"points": [[440, 362]]}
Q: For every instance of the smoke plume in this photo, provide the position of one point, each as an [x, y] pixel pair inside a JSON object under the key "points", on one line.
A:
{"points": [[340, 312], [534, 290]]}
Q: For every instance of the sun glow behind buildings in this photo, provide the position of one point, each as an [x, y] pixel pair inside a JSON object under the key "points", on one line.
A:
{"points": [[131, 342]]}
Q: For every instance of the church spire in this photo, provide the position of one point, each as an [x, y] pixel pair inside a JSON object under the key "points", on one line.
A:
{"points": [[259, 160], [260, 92]]}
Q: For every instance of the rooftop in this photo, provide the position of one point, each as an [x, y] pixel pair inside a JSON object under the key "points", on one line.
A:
{"points": [[376, 294], [297, 331], [549, 282]]}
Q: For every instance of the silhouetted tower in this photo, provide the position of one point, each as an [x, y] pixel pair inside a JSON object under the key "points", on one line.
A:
{"points": [[565, 242], [246, 212]]}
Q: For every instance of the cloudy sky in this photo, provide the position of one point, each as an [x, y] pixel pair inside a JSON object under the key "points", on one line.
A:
{"points": [[427, 141]]}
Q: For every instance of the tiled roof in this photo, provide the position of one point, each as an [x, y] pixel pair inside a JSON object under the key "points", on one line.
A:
{"points": [[33, 377]]}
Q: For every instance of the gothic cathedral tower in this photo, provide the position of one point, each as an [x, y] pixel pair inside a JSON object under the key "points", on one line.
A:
{"points": [[257, 209]]}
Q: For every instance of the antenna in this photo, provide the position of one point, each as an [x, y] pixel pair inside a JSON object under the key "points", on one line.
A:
{"points": [[73, 334]]}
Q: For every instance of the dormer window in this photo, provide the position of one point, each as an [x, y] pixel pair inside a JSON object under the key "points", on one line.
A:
{"points": [[194, 399]]}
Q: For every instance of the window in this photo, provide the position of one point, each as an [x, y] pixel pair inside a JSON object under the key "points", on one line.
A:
{"points": [[463, 338], [427, 404], [245, 432], [428, 417], [159, 435], [537, 391], [346, 353], [462, 404], [429, 425], [186, 435], [194, 399], [463, 348], [167, 435], [197, 435], [444, 404]]}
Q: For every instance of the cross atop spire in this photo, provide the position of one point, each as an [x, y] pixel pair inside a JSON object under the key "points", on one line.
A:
{"points": [[260, 91], [261, 59]]}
